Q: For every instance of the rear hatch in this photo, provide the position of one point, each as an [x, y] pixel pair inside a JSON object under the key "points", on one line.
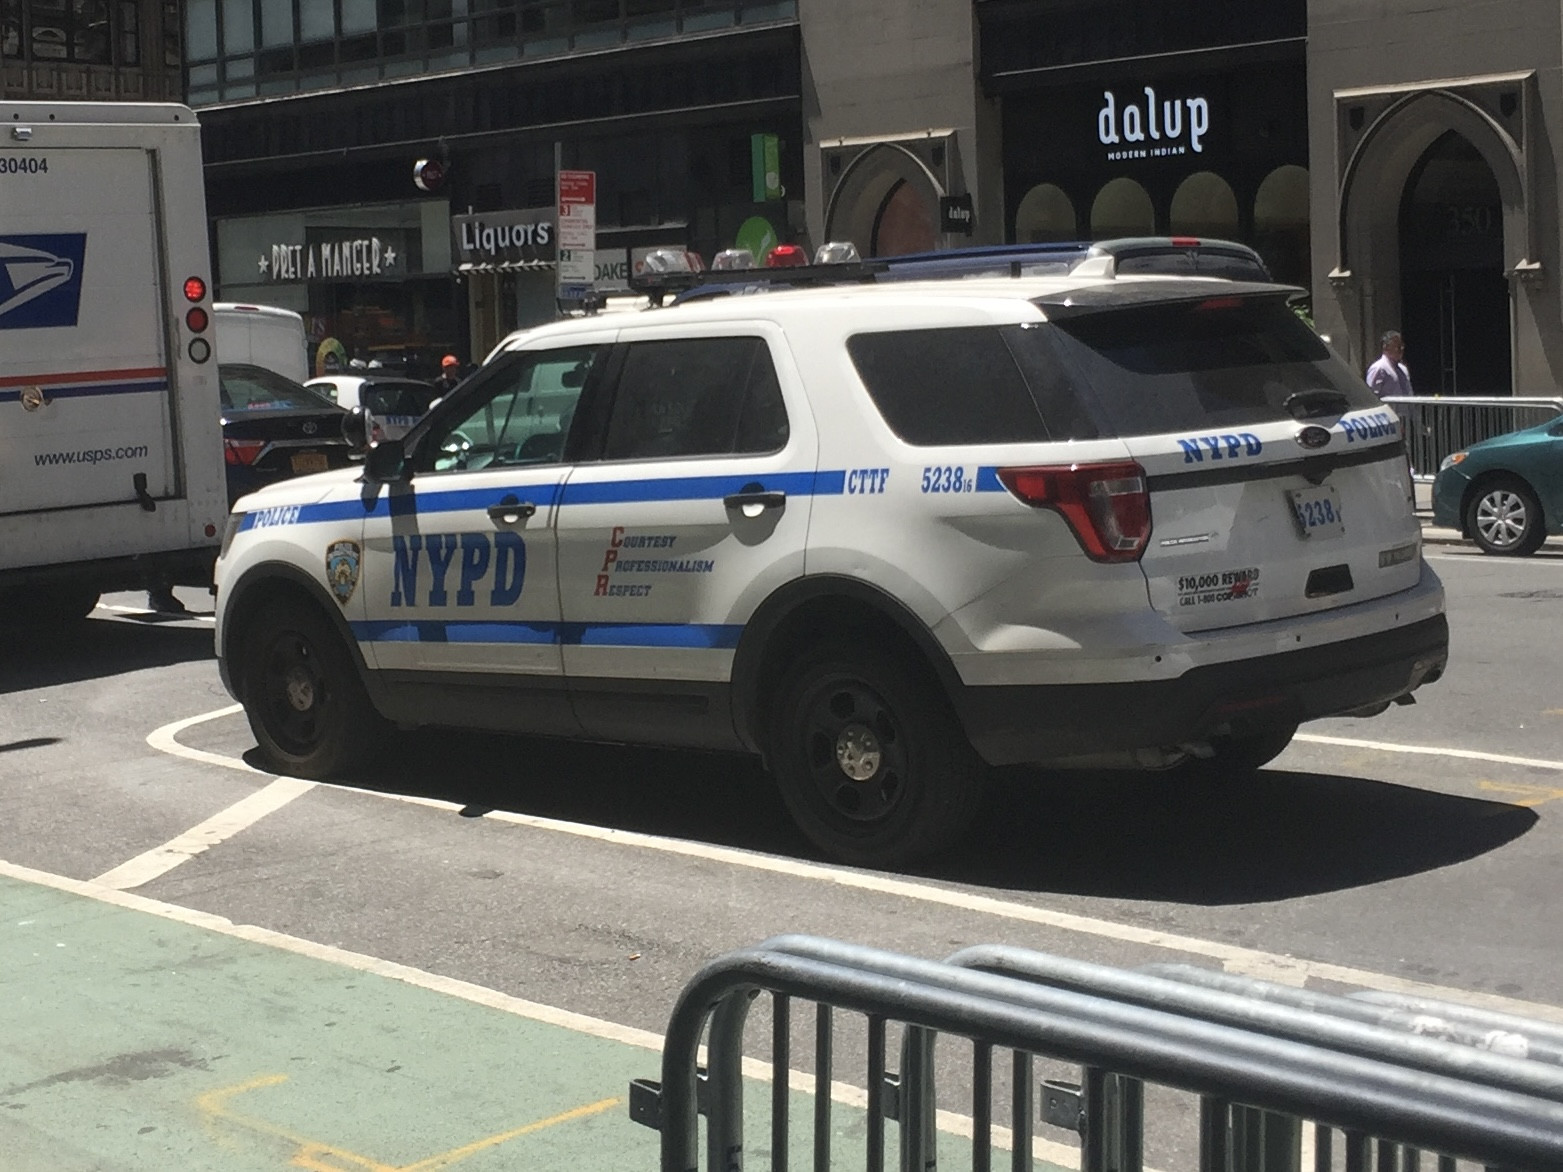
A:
{"points": [[84, 376], [1278, 482]]}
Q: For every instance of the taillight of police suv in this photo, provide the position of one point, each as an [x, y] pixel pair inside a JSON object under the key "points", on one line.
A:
{"points": [[1107, 505]]}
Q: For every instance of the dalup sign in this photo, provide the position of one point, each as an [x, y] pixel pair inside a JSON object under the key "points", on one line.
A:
{"points": [[1156, 128]]}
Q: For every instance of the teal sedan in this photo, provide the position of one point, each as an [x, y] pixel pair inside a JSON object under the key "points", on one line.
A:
{"points": [[1505, 493]]}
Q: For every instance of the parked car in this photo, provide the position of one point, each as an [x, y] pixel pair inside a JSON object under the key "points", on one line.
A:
{"points": [[274, 428], [393, 403], [881, 535], [1505, 493]]}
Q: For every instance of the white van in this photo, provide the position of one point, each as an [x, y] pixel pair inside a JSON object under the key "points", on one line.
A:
{"points": [[111, 464], [264, 336]]}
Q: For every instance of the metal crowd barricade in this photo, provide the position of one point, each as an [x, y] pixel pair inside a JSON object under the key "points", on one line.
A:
{"points": [[1243, 1055], [1436, 426]]}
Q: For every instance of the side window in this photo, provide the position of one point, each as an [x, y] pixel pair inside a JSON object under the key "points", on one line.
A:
{"points": [[947, 386], [519, 417], [696, 397]]}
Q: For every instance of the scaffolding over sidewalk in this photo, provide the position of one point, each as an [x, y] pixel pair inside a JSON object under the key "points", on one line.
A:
{"points": [[1394, 1079]]}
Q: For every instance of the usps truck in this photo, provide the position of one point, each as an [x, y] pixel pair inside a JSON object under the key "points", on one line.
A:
{"points": [[111, 466]]}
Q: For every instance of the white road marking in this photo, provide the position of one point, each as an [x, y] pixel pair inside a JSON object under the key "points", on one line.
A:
{"points": [[1430, 751], [142, 610], [220, 827], [754, 1068], [1233, 958]]}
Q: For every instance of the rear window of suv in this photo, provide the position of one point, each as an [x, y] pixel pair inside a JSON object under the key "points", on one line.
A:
{"points": [[1165, 367], [1149, 369]]}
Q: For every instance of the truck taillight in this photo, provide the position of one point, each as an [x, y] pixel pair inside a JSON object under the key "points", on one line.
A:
{"points": [[197, 319], [242, 451], [195, 289], [1108, 506]]}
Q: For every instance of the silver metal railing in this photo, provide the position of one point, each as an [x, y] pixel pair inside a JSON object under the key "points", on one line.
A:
{"points": [[1260, 1062], [1436, 426]]}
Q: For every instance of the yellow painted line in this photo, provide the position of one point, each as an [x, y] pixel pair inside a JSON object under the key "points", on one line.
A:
{"points": [[317, 1156], [446, 1159], [1552, 711], [1530, 795]]}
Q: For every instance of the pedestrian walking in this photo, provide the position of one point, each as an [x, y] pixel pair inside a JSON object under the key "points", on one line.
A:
{"points": [[1388, 375]]}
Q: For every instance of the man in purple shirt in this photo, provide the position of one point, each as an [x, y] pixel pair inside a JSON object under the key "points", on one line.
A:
{"points": [[1389, 376]]}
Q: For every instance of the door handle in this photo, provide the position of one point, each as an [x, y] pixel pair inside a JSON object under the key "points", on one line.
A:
{"points": [[511, 511], [766, 500]]}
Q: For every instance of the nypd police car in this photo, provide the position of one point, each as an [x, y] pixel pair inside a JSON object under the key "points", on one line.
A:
{"points": [[882, 536]]}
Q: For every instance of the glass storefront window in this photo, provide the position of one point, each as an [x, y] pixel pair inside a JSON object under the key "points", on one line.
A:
{"points": [[1204, 205], [1122, 208]]}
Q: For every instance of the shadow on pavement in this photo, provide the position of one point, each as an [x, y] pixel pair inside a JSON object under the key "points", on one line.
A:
{"points": [[1279, 835], [65, 653], [1114, 835]]}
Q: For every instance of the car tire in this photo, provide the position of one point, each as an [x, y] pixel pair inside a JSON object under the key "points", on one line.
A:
{"points": [[870, 759], [305, 701], [1504, 518], [1237, 758]]}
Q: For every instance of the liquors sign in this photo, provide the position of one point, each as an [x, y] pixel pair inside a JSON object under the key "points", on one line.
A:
{"points": [[1152, 128]]}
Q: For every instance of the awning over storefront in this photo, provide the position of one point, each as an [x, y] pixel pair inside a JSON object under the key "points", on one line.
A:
{"points": [[506, 266]]}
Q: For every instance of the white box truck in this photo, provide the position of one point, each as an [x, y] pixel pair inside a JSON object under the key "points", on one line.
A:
{"points": [[111, 465], [264, 336]]}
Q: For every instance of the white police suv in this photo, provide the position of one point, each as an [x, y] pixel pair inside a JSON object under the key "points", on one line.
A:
{"points": [[879, 535]]}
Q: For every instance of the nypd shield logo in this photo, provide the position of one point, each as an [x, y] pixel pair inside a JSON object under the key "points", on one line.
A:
{"points": [[342, 561]]}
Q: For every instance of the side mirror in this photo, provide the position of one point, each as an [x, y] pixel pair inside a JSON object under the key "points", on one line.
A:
{"points": [[385, 460], [356, 427]]}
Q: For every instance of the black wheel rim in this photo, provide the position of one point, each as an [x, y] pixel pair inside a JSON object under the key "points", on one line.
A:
{"points": [[294, 695], [855, 751]]}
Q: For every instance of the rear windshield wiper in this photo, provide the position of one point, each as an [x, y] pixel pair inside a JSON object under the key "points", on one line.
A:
{"points": [[1316, 401]]}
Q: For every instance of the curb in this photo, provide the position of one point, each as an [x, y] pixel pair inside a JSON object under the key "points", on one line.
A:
{"points": [[1434, 535]]}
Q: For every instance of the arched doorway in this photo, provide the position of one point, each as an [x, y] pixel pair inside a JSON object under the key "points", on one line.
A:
{"points": [[904, 223], [1204, 205], [1454, 296], [1046, 215], [1281, 224], [887, 203], [1122, 208]]}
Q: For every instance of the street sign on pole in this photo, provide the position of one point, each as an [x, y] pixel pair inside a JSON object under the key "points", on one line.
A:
{"points": [[577, 232]]}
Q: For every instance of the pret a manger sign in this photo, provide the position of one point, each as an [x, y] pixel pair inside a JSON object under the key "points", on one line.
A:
{"points": [[1153, 128]]}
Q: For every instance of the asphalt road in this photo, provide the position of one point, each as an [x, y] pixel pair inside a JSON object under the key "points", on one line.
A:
{"points": [[1419, 848]]}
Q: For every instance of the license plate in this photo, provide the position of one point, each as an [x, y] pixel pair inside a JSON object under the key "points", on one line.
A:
{"points": [[1317, 511], [310, 462]]}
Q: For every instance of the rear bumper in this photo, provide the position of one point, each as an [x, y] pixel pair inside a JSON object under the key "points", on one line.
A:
{"points": [[1021, 724]]}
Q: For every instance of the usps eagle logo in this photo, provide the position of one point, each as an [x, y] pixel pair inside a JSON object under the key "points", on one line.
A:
{"points": [[40, 280], [342, 562]]}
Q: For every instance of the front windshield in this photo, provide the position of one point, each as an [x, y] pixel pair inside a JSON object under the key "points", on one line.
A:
{"points": [[254, 388]]}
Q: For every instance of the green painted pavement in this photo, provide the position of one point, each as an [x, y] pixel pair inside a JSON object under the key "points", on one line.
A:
{"points": [[129, 1040]]}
